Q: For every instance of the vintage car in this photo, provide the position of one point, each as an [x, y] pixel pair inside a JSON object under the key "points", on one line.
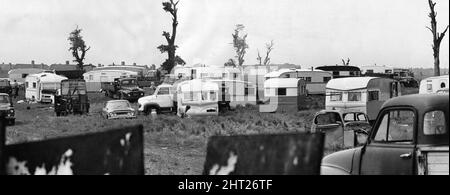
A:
{"points": [[118, 109], [410, 137], [7, 108], [343, 129]]}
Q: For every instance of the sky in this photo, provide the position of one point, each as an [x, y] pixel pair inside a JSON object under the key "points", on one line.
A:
{"points": [[305, 32]]}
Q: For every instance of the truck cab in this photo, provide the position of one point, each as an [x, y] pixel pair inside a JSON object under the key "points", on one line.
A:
{"points": [[123, 88], [7, 108], [410, 137], [161, 100]]}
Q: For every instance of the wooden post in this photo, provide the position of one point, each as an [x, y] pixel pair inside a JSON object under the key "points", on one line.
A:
{"points": [[2, 143]]}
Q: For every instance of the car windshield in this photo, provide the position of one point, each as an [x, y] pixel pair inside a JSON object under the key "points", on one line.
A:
{"points": [[118, 105], [4, 83], [129, 82], [4, 99]]}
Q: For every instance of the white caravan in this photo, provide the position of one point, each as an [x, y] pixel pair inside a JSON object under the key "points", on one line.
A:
{"points": [[284, 94], [316, 80], [42, 87], [236, 92], [95, 78], [363, 94], [197, 98], [434, 85]]}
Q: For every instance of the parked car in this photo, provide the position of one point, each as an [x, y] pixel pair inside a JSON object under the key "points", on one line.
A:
{"points": [[410, 137], [345, 129], [7, 108], [118, 109]]}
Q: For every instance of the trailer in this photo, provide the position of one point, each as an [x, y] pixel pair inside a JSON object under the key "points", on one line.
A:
{"points": [[198, 98], [434, 85], [284, 94], [316, 80], [95, 78], [43, 87], [364, 94]]}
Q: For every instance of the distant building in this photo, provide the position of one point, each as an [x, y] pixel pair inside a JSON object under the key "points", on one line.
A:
{"points": [[32, 65]]}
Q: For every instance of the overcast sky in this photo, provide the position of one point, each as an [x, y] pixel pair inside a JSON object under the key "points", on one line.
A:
{"points": [[305, 32]]}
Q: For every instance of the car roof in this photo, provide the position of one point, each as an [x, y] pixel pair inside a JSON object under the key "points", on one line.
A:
{"points": [[2, 94], [420, 101]]}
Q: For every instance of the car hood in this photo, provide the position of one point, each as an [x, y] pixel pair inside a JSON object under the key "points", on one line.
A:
{"points": [[342, 160], [132, 88], [120, 110], [145, 99]]}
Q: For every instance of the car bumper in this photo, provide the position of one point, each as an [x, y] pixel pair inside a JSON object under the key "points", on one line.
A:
{"points": [[121, 117]]}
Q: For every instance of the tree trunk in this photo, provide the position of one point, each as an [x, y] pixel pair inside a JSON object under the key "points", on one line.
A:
{"points": [[437, 69]]}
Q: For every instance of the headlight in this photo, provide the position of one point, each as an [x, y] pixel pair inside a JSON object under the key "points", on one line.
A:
{"points": [[11, 111]]}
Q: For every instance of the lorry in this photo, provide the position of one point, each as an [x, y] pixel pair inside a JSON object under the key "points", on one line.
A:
{"points": [[123, 88], [7, 109], [72, 98], [5, 86], [410, 137]]}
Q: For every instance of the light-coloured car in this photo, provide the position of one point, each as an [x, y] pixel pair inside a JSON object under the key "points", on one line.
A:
{"points": [[118, 109]]}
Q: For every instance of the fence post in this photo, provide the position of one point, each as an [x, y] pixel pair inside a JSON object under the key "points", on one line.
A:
{"points": [[2, 143]]}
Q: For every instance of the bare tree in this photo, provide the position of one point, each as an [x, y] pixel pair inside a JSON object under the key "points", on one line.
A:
{"points": [[269, 48], [240, 45], [170, 48], [437, 37], [346, 63], [78, 47]]}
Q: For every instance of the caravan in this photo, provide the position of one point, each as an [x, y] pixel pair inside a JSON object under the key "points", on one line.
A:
{"points": [[316, 80], [284, 94], [434, 85], [43, 87], [363, 94], [95, 78], [198, 98]]}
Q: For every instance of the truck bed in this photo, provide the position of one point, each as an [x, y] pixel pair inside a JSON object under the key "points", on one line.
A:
{"points": [[433, 160]]}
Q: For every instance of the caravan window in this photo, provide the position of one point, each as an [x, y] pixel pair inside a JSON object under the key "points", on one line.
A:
{"points": [[213, 95], [374, 96], [326, 79], [354, 96], [281, 91], [24, 76], [91, 77], [334, 97], [34, 85], [26, 84]]}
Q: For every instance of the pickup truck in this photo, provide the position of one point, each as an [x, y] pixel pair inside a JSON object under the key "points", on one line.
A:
{"points": [[163, 99], [123, 88], [409, 137]]}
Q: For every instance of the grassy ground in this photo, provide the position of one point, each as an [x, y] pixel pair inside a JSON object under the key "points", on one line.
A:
{"points": [[172, 145]]}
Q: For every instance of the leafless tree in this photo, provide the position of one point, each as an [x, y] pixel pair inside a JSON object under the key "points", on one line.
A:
{"points": [[269, 48], [437, 37], [240, 45], [346, 63]]}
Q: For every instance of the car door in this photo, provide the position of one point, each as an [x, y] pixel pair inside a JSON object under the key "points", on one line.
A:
{"points": [[164, 98], [390, 150]]}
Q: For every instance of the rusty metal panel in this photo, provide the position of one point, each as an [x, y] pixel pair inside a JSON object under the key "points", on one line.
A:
{"points": [[280, 154], [114, 152]]}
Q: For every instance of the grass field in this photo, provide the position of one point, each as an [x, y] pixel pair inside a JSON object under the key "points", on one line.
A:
{"points": [[172, 145]]}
